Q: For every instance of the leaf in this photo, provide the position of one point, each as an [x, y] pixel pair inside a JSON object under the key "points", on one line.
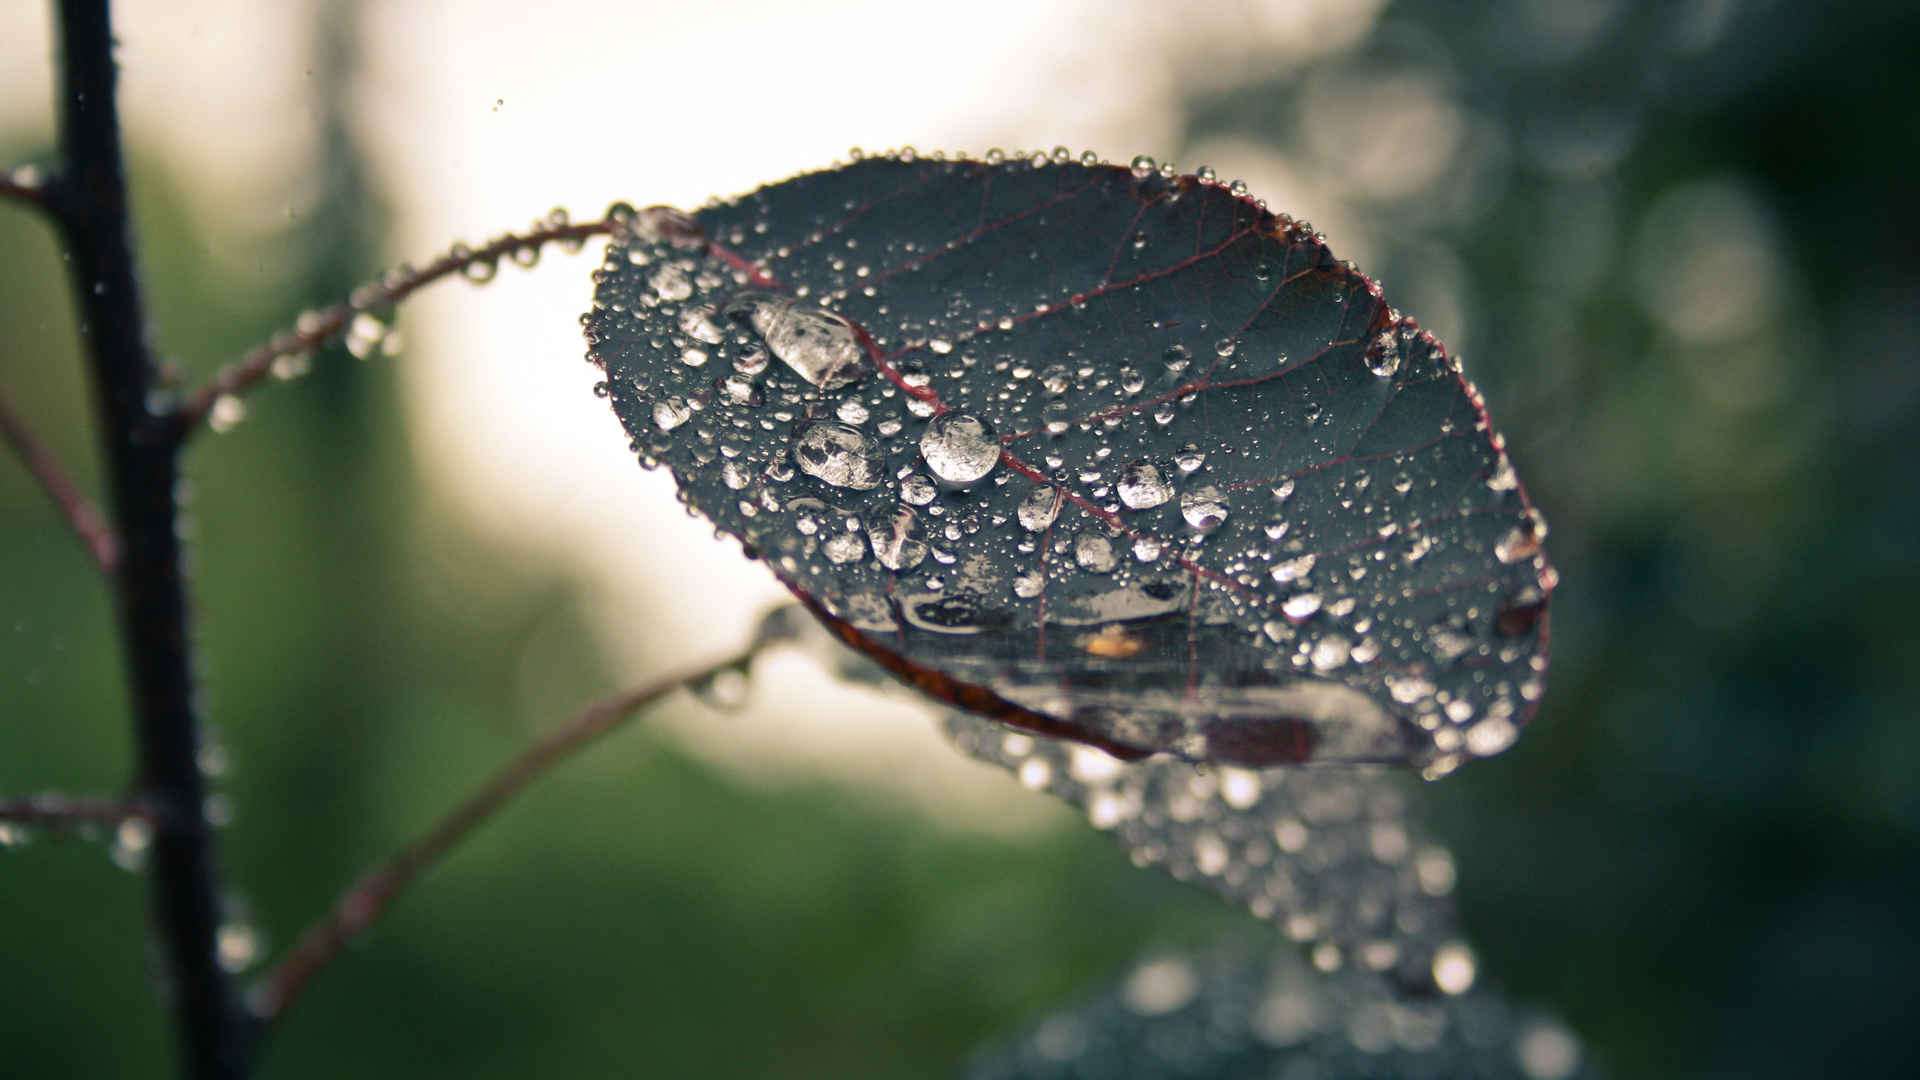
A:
{"points": [[1332, 856], [1094, 451], [1253, 1012]]}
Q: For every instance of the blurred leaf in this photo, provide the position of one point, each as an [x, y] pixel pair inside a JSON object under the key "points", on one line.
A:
{"points": [[1104, 453]]}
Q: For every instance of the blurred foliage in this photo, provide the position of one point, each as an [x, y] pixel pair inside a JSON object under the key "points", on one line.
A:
{"points": [[1678, 244]]}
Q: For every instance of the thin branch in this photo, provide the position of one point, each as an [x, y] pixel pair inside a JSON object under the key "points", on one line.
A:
{"points": [[24, 185], [142, 478], [70, 811], [316, 328], [83, 517], [370, 896]]}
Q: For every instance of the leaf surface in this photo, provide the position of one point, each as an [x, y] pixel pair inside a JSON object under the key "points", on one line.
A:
{"points": [[1094, 451]]}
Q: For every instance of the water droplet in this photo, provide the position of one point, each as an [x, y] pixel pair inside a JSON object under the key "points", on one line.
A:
{"points": [[226, 414], [697, 323], [1093, 552], [1383, 355], [1147, 548], [1453, 968], [1040, 507], [1142, 487], [818, 345], [1190, 458], [670, 413], [740, 390], [959, 448], [670, 282], [1206, 175], [1143, 166], [838, 454], [917, 490], [1204, 507], [898, 540], [1176, 357], [1300, 606], [1293, 569], [844, 547], [1330, 652]]}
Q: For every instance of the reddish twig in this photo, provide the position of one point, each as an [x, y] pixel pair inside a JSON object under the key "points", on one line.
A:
{"points": [[83, 516], [362, 904], [66, 810], [317, 328]]}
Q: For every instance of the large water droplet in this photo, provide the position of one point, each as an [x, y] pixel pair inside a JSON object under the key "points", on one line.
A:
{"points": [[1040, 507], [1204, 507], [898, 541], [959, 448], [1142, 487], [838, 454], [818, 345]]}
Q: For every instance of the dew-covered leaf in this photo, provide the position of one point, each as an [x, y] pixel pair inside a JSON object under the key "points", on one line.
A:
{"points": [[1267, 1013], [1095, 451], [1333, 857]]}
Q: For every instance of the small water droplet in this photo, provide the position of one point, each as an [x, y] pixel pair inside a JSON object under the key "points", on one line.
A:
{"points": [[1040, 507], [1147, 548], [1293, 569], [917, 490], [671, 412], [1094, 552], [1190, 458], [1204, 507], [1142, 487], [669, 282], [959, 448], [898, 540], [838, 454], [1300, 606], [1143, 166], [226, 414]]}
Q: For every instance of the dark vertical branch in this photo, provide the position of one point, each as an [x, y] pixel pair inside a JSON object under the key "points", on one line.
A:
{"points": [[142, 474]]}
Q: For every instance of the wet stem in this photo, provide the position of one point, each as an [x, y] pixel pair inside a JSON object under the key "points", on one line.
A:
{"points": [[136, 546]]}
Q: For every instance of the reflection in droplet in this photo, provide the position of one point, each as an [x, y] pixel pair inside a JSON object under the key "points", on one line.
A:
{"points": [[959, 448], [838, 454]]}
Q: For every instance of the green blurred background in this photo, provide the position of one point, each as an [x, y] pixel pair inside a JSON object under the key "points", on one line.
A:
{"points": [[1681, 243]]}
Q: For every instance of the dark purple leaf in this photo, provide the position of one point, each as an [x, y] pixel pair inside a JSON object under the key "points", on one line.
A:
{"points": [[1096, 452]]}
